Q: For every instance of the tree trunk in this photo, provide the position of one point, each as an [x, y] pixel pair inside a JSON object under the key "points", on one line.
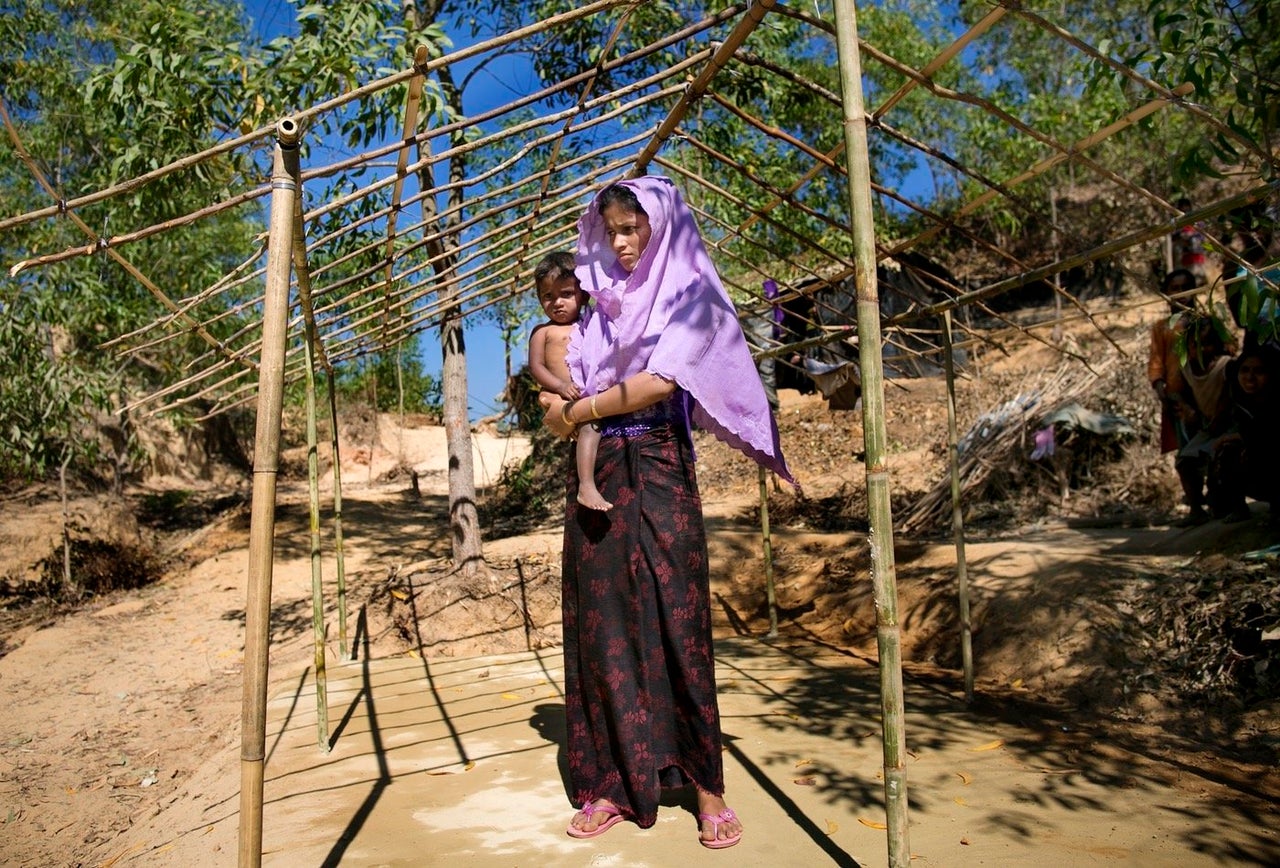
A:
{"points": [[464, 519]]}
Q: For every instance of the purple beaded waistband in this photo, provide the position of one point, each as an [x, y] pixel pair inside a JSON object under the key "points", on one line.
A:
{"points": [[631, 429]]}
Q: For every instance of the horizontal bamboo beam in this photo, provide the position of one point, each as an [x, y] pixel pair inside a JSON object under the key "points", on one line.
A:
{"points": [[748, 23]]}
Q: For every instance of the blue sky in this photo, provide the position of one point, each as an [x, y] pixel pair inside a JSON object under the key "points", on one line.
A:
{"points": [[486, 369]]}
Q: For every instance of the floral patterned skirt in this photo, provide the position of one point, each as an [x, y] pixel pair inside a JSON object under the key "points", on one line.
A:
{"points": [[639, 666]]}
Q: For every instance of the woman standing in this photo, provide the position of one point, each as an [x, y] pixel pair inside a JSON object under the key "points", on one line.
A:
{"points": [[661, 351]]}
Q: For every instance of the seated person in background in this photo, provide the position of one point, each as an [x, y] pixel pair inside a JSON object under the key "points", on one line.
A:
{"points": [[1246, 455], [1204, 401]]}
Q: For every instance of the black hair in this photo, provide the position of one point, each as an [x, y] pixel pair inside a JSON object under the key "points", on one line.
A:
{"points": [[1185, 276], [1176, 275], [555, 265], [1268, 354], [619, 194]]}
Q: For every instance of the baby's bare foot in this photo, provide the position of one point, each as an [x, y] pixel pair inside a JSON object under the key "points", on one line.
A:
{"points": [[589, 497]]}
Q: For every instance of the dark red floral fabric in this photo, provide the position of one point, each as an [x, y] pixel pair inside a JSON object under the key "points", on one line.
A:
{"points": [[638, 662]]}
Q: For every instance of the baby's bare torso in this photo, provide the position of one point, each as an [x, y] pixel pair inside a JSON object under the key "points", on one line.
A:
{"points": [[555, 348]]}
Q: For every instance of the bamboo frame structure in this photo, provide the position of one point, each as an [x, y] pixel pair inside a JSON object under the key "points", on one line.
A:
{"points": [[383, 279]]}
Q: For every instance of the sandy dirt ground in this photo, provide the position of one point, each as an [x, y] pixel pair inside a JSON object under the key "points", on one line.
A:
{"points": [[121, 733]]}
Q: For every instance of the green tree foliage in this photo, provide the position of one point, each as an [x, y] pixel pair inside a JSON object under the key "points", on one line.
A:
{"points": [[102, 92], [1229, 52], [83, 134], [374, 380], [43, 394]]}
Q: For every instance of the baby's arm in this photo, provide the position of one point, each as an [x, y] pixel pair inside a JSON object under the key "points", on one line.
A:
{"points": [[547, 378]]}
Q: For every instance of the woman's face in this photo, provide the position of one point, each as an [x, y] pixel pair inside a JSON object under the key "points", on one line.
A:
{"points": [[628, 233], [1252, 376]]}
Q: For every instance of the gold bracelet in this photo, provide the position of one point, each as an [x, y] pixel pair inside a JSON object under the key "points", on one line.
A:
{"points": [[595, 414], [564, 414]]}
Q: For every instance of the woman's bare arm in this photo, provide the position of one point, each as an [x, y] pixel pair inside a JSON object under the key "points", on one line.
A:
{"points": [[634, 393]]}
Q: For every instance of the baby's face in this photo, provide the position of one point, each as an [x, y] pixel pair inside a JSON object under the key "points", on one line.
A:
{"points": [[560, 299]]}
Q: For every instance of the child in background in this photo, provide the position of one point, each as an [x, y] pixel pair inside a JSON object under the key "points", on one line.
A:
{"points": [[562, 299]]}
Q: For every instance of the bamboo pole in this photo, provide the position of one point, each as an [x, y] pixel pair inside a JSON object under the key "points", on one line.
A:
{"points": [[96, 240], [1108, 248], [312, 354], [373, 154], [1062, 153], [779, 225], [406, 326], [957, 510], [880, 538], [553, 158], [696, 88], [825, 160], [1057, 253], [1223, 129], [767, 541], [317, 583], [412, 103], [941, 59], [315, 346], [266, 464], [340, 566], [745, 171]]}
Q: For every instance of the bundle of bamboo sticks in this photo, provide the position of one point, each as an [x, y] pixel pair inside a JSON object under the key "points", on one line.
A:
{"points": [[999, 439]]}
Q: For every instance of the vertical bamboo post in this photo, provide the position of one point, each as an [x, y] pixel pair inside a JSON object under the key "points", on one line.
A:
{"points": [[67, 577], [1057, 279], [340, 566], [266, 463], [315, 353], [770, 593], [317, 582], [957, 513], [400, 402], [880, 538]]}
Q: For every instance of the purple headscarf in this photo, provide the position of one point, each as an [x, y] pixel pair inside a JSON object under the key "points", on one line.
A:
{"points": [[671, 317]]}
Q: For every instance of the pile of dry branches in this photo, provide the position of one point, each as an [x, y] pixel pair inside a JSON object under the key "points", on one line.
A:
{"points": [[1208, 631], [1002, 438]]}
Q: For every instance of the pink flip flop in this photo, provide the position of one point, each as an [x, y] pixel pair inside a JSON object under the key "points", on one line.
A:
{"points": [[718, 843], [614, 818]]}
